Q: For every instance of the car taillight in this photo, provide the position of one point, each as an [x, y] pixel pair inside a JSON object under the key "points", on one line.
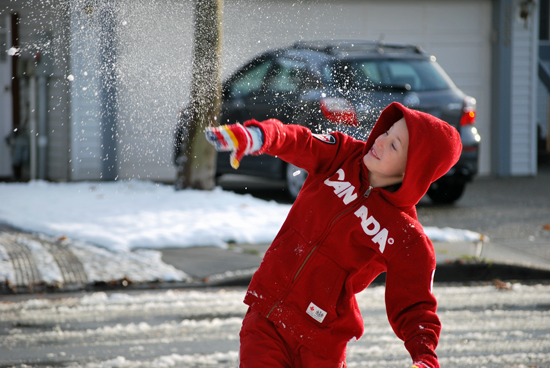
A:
{"points": [[468, 111], [339, 110]]}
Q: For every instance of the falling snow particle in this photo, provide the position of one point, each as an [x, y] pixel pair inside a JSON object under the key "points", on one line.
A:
{"points": [[70, 77], [13, 51]]}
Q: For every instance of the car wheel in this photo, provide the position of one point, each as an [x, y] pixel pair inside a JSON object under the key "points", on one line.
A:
{"points": [[295, 178], [445, 193]]}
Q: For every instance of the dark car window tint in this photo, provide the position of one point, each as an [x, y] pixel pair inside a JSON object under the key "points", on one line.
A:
{"points": [[371, 72], [403, 74], [288, 77], [250, 81], [414, 75]]}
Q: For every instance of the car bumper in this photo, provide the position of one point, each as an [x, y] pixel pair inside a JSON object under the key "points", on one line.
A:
{"points": [[466, 167]]}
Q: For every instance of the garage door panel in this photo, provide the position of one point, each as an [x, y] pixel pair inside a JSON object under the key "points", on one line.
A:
{"points": [[459, 60], [469, 17], [399, 17]]}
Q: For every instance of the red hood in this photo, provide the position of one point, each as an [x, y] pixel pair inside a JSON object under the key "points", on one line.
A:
{"points": [[434, 147]]}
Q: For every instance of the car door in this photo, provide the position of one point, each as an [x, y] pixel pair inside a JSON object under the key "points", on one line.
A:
{"points": [[280, 95], [241, 91], [278, 99], [240, 103]]}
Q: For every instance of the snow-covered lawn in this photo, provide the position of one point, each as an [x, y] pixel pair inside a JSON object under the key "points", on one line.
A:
{"points": [[126, 215]]}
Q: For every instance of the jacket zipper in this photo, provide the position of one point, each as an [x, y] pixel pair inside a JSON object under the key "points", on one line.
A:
{"points": [[304, 263], [366, 195], [294, 279]]}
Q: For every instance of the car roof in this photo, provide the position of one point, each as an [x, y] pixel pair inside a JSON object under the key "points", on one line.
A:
{"points": [[338, 47], [318, 52]]}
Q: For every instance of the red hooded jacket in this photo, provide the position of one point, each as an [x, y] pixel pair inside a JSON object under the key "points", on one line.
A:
{"points": [[341, 234]]}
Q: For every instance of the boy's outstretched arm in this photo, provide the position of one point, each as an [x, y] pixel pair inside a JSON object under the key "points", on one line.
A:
{"points": [[294, 144]]}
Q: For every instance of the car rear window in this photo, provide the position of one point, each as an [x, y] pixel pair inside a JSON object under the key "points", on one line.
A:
{"points": [[412, 75], [289, 75], [250, 80]]}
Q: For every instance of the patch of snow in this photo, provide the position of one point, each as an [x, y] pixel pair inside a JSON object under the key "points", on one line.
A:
{"points": [[7, 272], [127, 215], [45, 263], [451, 235], [139, 266]]}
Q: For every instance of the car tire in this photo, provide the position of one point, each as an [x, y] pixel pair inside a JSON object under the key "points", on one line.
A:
{"points": [[295, 178], [446, 193]]}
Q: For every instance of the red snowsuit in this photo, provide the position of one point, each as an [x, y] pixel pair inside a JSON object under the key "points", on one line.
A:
{"points": [[341, 234]]}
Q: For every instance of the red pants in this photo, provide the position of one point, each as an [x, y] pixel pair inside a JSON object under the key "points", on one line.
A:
{"points": [[264, 345]]}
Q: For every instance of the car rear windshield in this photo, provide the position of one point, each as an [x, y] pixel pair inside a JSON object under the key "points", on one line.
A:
{"points": [[411, 75]]}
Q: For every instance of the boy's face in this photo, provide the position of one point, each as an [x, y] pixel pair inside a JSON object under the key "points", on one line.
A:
{"points": [[387, 158]]}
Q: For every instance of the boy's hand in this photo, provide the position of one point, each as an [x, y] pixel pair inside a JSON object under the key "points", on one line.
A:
{"points": [[235, 138]]}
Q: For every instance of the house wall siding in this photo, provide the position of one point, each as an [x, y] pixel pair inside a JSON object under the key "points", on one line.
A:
{"points": [[59, 99], [542, 107], [523, 160], [85, 136], [6, 126], [44, 29]]}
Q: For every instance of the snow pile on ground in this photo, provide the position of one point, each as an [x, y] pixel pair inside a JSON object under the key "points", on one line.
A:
{"points": [[126, 215], [99, 264], [450, 235], [140, 266]]}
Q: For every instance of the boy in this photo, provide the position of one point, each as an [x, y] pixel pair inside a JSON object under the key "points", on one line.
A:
{"points": [[354, 218]]}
